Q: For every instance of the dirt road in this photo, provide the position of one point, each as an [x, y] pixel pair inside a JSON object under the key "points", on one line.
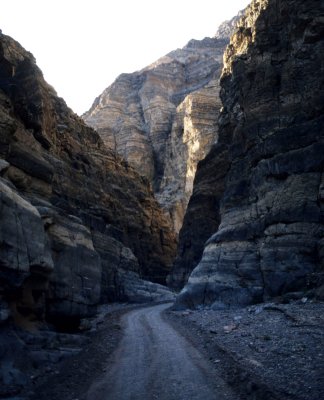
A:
{"points": [[153, 361]]}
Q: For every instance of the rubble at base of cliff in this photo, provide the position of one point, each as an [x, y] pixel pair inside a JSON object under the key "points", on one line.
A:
{"points": [[268, 351], [48, 364]]}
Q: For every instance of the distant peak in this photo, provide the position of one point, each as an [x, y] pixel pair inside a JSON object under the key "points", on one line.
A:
{"points": [[226, 28]]}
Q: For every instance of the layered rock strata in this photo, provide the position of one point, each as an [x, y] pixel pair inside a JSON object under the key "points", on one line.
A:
{"points": [[163, 119], [76, 220], [258, 195]]}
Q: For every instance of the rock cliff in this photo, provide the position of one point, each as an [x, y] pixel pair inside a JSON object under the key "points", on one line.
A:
{"points": [[78, 224], [258, 195], [163, 119]]}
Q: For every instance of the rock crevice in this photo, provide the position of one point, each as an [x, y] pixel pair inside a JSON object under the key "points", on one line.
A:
{"points": [[163, 119]]}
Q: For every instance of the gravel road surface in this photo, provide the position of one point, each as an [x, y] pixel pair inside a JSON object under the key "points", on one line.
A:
{"points": [[153, 361]]}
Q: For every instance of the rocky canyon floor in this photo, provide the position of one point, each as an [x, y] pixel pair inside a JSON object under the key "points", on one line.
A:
{"points": [[268, 351]]}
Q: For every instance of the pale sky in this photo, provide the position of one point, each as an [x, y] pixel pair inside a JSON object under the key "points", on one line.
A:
{"points": [[82, 46]]}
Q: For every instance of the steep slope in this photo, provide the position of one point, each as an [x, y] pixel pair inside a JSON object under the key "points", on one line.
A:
{"points": [[227, 28], [258, 195], [77, 223], [163, 119]]}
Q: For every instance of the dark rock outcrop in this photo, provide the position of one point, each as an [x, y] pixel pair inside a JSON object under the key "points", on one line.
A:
{"points": [[258, 195], [76, 219]]}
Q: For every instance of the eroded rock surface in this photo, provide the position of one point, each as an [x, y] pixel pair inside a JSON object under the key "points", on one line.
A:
{"points": [[258, 194], [74, 215], [163, 119]]}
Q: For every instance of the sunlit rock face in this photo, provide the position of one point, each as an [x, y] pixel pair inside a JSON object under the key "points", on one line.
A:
{"points": [[163, 119], [193, 131], [77, 222], [258, 195]]}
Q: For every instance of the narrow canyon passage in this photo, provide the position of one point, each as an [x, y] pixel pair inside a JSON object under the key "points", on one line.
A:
{"points": [[153, 361]]}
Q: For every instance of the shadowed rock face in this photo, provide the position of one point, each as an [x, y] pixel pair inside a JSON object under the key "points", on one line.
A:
{"points": [[163, 119], [258, 195], [76, 221]]}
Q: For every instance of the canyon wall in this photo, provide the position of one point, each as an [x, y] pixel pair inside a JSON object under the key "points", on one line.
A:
{"points": [[163, 119], [78, 224], [258, 195]]}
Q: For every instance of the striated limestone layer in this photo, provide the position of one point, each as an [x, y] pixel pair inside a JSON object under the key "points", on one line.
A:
{"points": [[78, 224], [258, 195], [163, 119], [193, 131]]}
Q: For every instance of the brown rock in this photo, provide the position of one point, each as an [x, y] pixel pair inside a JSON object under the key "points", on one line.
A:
{"points": [[162, 119], [194, 129], [71, 198]]}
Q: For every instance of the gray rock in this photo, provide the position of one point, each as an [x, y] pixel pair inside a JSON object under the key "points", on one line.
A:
{"points": [[25, 259], [11, 375], [22, 235], [137, 290], [226, 29], [4, 165], [75, 281], [4, 311], [258, 193]]}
